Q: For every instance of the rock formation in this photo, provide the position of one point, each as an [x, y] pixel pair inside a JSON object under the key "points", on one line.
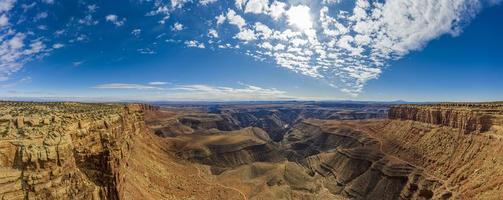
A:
{"points": [[65, 150], [465, 117], [294, 151]]}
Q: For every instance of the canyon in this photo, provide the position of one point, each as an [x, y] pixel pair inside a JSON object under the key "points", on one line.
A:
{"points": [[286, 150]]}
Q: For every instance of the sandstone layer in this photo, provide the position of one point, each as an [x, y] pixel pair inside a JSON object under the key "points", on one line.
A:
{"points": [[465, 117], [92, 151]]}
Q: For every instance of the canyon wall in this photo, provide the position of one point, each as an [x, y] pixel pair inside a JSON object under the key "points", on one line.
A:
{"points": [[466, 118], [351, 163], [65, 150]]}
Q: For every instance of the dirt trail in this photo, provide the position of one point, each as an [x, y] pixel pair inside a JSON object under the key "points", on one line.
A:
{"points": [[218, 184]]}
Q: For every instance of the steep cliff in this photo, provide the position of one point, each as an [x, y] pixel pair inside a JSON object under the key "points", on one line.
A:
{"points": [[65, 150], [465, 117]]}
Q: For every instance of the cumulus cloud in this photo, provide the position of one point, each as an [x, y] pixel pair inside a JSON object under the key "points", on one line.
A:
{"points": [[177, 27], [194, 44], [246, 35], [277, 10], [114, 19], [344, 48], [235, 19], [300, 17], [257, 6], [220, 19], [16, 47], [212, 33]]}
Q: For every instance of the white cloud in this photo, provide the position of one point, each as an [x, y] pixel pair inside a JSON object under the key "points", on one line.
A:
{"points": [[194, 44], [126, 86], [235, 19], [344, 48], [212, 33], [17, 41], [220, 19], [114, 19], [277, 10], [257, 6], [158, 83], [208, 92], [88, 20], [6, 5], [4, 20], [57, 46], [92, 8], [41, 15], [206, 2], [300, 17], [178, 3], [159, 90], [331, 1], [263, 30], [161, 10], [145, 51], [177, 27], [240, 4], [246, 35], [136, 32]]}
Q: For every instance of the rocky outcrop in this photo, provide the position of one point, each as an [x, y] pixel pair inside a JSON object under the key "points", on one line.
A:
{"points": [[465, 117], [65, 150]]}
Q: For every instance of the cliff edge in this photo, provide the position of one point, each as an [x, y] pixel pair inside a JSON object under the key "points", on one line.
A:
{"points": [[467, 118]]}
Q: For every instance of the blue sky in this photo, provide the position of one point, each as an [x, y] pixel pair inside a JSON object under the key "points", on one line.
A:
{"points": [[252, 50]]}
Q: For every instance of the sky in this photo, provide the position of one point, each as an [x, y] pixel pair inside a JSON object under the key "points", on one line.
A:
{"points": [[213, 50]]}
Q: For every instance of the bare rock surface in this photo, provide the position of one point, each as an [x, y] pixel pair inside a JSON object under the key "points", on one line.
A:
{"points": [[92, 151]]}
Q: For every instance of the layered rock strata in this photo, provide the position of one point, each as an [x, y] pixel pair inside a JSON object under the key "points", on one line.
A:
{"points": [[353, 165], [65, 150], [465, 117]]}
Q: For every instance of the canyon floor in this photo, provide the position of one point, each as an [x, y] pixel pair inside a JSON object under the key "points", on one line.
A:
{"points": [[292, 150]]}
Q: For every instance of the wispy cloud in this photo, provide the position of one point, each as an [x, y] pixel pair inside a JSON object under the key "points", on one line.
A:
{"points": [[16, 82], [158, 83], [127, 86], [78, 63], [164, 91]]}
